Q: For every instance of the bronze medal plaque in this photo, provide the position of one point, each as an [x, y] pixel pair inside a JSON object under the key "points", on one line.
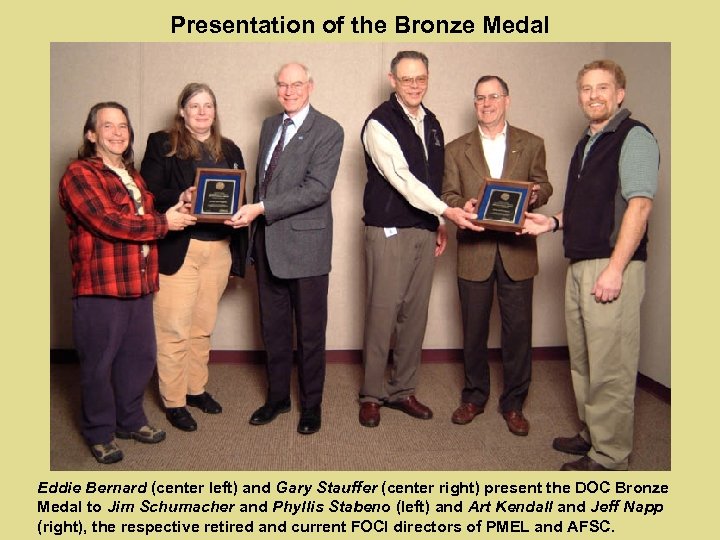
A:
{"points": [[502, 204], [219, 193]]}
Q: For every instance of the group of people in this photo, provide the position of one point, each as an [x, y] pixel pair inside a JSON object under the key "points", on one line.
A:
{"points": [[147, 277]]}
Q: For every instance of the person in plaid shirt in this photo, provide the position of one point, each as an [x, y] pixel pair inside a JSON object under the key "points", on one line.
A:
{"points": [[113, 229]]}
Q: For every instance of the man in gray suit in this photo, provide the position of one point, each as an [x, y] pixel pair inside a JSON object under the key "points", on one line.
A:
{"points": [[291, 242]]}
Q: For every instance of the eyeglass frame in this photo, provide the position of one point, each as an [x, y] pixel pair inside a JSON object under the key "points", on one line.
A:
{"points": [[294, 86], [490, 98], [408, 82]]}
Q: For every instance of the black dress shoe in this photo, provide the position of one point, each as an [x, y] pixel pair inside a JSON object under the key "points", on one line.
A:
{"points": [[585, 463], [268, 412], [310, 420], [204, 402], [572, 445], [180, 418]]}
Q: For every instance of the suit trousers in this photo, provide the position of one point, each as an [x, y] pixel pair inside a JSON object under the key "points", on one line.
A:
{"points": [[399, 272], [515, 301], [185, 310], [305, 299], [604, 345], [115, 340]]}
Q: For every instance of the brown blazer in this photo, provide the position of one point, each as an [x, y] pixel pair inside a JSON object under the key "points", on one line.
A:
{"points": [[465, 167]]}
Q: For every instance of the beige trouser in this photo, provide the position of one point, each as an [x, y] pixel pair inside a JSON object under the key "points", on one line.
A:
{"points": [[399, 278], [185, 309], [604, 345]]}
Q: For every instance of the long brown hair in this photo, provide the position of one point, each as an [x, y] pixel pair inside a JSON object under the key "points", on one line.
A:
{"points": [[87, 149], [182, 143]]}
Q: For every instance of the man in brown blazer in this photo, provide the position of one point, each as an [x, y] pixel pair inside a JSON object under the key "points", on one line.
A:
{"points": [[492, 259]]}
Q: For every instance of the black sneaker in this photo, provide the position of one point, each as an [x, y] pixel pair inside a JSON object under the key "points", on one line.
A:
{"points": [[180, 418], [204, 402], [106, 453]]}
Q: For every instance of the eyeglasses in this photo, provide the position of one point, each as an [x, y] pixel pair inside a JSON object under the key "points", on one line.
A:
{"points": [[407, 82], [295, 87], [490, 98]]}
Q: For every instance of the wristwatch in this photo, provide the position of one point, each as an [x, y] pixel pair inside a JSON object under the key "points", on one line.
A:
{"points": [[557, 223]]}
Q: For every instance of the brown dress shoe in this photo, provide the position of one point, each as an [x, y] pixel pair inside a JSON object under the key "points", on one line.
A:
{"points": [[465, 413], [583, 464], [516, 423], [410, 405], [572, 445], [369, 414]]}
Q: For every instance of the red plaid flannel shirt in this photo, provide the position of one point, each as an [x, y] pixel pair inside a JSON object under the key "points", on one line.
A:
{"points": [[106, 234]]}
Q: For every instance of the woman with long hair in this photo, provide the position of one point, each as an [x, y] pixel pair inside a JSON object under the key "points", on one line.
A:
{"points": [[194, 264]]}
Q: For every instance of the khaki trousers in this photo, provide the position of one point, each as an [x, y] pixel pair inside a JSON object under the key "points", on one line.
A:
{"points": [[185, 310], [604, 345], [399, 278]]}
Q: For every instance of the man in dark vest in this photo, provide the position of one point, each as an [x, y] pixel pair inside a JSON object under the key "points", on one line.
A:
{"points": [[404, 232], [611, 184]]}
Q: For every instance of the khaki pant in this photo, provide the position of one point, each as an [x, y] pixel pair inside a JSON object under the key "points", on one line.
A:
{"points": [[604, 345], [399, 279], [185, 310]]}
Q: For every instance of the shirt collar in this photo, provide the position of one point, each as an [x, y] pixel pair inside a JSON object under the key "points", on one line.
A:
{"points": [[300, 117], [419, 117], [502, 133], [613, 123]]}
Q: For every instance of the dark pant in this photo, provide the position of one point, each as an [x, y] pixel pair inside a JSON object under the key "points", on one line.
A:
{"points": [[115, 340], [280, 299], [515, 300]]}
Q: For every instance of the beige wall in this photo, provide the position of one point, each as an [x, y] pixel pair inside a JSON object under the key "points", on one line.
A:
{"points": [[350, 82]]}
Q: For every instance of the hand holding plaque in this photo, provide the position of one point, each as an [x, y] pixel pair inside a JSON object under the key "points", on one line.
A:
{"points": [[502, 204], [219, 193]]}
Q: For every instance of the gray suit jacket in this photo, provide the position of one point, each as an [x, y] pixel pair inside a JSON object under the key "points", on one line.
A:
{"points": [[298, 213]]}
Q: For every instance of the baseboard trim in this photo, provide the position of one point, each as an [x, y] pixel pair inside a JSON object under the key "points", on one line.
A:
{"points": [[351, 356], [657, 389], [354, 356]]}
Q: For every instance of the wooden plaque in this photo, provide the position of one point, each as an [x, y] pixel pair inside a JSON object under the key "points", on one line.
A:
{"points": [[219, 193]]}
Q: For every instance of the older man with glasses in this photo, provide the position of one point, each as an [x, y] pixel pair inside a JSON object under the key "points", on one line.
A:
{"points": [[291, 243], [404, 232]]}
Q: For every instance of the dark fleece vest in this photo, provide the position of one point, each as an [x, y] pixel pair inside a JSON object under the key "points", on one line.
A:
{"points": [[383, 205], [594, 205]]}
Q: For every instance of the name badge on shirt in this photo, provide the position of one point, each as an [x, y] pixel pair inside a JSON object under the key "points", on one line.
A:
{"points": [[390, 231]]}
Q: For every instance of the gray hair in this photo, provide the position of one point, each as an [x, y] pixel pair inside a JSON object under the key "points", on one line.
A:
{"points": [[302, 66]]}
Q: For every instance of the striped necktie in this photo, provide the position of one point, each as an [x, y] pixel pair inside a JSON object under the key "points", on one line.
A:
{"points": [[274, 158]]}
